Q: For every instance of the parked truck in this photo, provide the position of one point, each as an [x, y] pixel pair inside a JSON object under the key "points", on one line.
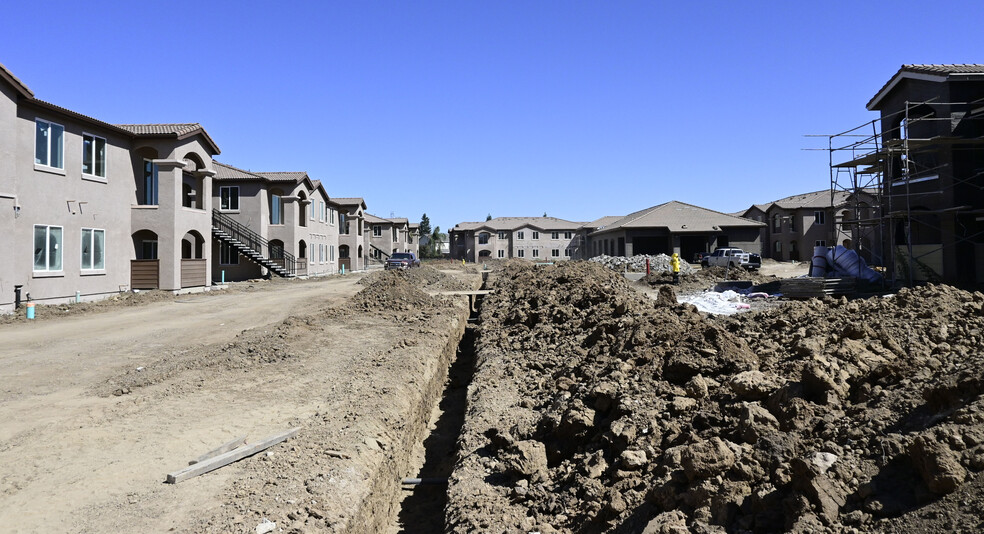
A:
{"points": [[732, 257]]}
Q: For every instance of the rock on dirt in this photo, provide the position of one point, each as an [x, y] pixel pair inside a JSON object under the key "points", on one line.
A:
{"points": [[830, 415]]}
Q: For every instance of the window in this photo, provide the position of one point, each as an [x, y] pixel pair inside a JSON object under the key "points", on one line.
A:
{"points": [[792, 223], [93, 155], [377, 230], [396, 235], [536, 253], [778, 246], [501, 253], [502, 235], [276, 208], [520, 253], [93, 249], [776, 224], [331, 253], [568, 235], [520, 235], [567, 252], [536, 235], [49, 144], [331, 216], [555, 253], [150, 184], [344, 223], [228, 255], [819, 218], [321, 212], [47, 248], [229, 197], [820, 243], [554, 235], [483, 238]]}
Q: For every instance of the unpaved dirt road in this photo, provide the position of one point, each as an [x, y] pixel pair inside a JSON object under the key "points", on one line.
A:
{"points": [[75, 457]]}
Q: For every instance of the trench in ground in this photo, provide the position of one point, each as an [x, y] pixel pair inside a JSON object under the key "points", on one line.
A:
{"points": [[420, 507]]}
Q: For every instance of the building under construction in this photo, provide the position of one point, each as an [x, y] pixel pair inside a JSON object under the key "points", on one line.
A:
{"points": [[923, 162]]}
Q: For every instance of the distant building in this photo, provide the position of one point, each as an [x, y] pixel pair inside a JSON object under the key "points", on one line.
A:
{"points": [[533, 238]]}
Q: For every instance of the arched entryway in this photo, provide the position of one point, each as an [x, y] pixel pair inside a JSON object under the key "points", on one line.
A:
{"points": [[193, 182], [360, 258], [344, 261], [194, 266], [145, 268], [302, 261]]}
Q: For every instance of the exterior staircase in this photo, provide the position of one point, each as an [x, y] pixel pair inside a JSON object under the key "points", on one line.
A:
{"points": [[252, 246]]}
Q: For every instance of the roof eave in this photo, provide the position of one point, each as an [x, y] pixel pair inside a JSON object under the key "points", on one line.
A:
{"points": [[897, 79]]}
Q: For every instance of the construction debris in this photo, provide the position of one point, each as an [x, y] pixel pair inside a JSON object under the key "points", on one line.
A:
{"points": [[657, 263], [227, 458]]}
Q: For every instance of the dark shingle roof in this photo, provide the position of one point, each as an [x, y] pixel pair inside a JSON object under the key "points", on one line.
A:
{"points": [[938, 72], [679, 217]]}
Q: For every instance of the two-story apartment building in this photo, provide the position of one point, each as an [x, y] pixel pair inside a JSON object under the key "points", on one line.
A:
{"points": [[794, 225], [533, 238], [353, 241], [295, 222], [91, 208]]}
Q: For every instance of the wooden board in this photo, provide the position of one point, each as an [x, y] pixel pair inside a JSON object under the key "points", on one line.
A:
{"points": [[229, 457], [224, 448]]}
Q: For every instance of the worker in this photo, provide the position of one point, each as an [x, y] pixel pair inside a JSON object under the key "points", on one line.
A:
{"points": [[675, 262]]}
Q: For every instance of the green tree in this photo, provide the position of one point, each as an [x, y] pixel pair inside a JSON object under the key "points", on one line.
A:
{"points": [[544, 214], [488, 217], [437, 239], [425, 225]]}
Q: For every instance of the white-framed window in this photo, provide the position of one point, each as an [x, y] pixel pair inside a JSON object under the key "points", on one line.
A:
{"points": [[150, 184], [49, 144], [568, 235], [554, 235], [819, 217], [331, 253], [567, 252], [502, 235], [520, 253], [228, 255], [331, 216], [377, 230], [536, 253], [483, 238], [93, 155], [520, 235], [276, 208], [536, 235], [321, 211], [93, 249], [229, 197], [47, 248], [555, 253], [501, 253], [820, 243]]}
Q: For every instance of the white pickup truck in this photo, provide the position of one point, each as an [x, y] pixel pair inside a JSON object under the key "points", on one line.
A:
{"points": [[732, 257]]}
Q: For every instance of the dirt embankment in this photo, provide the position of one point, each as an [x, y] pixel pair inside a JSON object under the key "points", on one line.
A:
{"points": [[594, 409]]}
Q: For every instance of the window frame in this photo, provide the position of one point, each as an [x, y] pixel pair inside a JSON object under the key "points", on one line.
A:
{"points": [[483, 238], [228, 188], [536, 235], [820, 218], [502, 235], [554, 235], [92, 245], [500, 253], [150, 176], [520, 235], [59, 247], [377, 230], [105, 162], [820, 243], [536, 253], [520, 253], [47, 162], [555, 253]]}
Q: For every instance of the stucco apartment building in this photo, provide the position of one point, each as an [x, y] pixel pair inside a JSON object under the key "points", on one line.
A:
{"points": [[794, 225], [353, 239], [90, 208], [294, 220], [387, 236], [533, 238]]}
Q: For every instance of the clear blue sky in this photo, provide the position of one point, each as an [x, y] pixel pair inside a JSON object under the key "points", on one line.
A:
{"points": [[463, 108]]}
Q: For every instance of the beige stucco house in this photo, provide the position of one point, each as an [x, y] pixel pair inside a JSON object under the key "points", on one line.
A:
{"points": [[353, 241], [294, 225], [91, 208], [532, 238], [387, 236]]}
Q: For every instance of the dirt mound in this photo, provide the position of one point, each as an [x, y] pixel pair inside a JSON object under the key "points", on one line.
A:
{"points": [[424, 277], [597, 410], [390, 291]]}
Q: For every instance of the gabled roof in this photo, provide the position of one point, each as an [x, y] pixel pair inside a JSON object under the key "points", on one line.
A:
{"points": [[350, 201], [598, 224], [513, 223], [76, 115], [228, 172], [14, 81], [679, 217], [285, 176], [370, 218], [400, 220], [172, 131], [814, 200], [935, 73]]}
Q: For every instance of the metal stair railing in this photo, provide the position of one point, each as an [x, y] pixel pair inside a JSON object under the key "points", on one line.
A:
{"points": [[256, 243], [385, 255]]}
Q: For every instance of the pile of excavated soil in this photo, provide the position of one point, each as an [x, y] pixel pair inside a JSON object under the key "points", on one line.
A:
{"points": [[390, 290], [425, 278], [594, 409]]}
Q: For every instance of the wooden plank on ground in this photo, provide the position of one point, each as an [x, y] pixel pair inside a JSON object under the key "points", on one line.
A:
{"points": [[229, 457], [224, 448]]}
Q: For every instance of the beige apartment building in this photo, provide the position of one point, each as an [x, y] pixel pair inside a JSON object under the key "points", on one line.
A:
{"points": [[353, 241], [387, 236], [91, 208], [532, 238], [288, 225]]}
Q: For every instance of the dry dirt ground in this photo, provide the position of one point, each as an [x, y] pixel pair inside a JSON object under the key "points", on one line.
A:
{"points": [[97, 407], [594, 408]]}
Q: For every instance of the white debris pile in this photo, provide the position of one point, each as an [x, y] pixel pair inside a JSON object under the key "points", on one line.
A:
{"points": [[657, 263], [723, 303]]}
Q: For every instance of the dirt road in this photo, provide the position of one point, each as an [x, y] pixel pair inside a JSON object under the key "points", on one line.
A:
{"points": [[95, 409]]}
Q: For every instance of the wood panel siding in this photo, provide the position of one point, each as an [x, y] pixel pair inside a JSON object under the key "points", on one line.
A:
{"points": [[145, 274], [193, 272]]}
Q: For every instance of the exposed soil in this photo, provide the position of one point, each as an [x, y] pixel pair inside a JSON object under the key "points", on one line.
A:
{"points": [[596, 409], [99, 407]]}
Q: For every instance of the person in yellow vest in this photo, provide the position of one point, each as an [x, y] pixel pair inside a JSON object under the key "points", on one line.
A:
{"points": [[675, 263]]}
